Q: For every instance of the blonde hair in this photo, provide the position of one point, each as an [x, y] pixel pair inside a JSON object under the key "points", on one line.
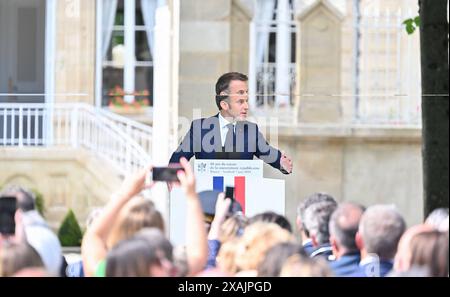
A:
{"points": [[226, 259], [301, 266], [257, 239], [137, 214], [232, 227]]}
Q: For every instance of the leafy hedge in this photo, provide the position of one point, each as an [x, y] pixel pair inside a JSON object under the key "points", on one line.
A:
{"points": [[70, 233]]}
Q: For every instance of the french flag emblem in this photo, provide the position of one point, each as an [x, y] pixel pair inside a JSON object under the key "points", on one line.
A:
{"points": [[239, 188]]}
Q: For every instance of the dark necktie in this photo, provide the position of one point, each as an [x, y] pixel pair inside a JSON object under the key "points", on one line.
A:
{"points": [[230, 139]]}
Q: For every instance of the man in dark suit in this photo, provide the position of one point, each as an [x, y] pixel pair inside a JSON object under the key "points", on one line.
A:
{"points": [[343, 227], [316, 221], [228, 135], [300, 220], [379, 232]]}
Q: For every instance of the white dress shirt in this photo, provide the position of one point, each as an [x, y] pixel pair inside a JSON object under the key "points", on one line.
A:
{"points": [[224, 129]]}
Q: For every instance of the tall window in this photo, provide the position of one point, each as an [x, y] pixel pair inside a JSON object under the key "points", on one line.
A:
{"points": [[274, 53], [127, 60]]}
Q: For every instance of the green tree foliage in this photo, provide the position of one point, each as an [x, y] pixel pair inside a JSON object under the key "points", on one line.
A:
{"points": [[70, 233], [412, 24]]}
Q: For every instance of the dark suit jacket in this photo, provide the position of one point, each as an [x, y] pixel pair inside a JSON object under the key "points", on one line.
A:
{"points": [[204, 142], [346, 265], [380, 269], [322, 251], [309, 248]]}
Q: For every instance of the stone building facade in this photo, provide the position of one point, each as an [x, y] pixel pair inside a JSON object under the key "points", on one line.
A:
{"points": [[368, 163]]}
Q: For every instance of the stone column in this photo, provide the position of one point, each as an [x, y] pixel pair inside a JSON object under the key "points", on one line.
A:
{"points": [[75, 50], [204, 53], [283, 54], [320, 64], [161, 117]]}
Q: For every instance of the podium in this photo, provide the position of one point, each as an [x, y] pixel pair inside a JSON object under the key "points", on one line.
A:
{"points": [[255, 193]]}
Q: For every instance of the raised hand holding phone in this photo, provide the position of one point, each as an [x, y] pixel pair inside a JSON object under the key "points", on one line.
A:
{"points": [[187, 178], [167, 174], [229, 192], [8, 207]]}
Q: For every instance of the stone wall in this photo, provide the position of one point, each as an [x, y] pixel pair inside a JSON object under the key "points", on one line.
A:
{"points": [[365, 165], [214, 39], [66, 179], [204, 53], [320, 64], [75, 50], [240, 32]]}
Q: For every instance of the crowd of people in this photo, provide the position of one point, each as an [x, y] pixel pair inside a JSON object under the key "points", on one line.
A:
{"points": [[127, 237]]}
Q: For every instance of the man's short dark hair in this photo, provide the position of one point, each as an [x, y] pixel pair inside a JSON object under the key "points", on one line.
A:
{"points": [[223, 84], [272, 217]]}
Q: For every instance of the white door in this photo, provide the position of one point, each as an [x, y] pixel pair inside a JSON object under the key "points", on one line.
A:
{"points": [[22, 37]]}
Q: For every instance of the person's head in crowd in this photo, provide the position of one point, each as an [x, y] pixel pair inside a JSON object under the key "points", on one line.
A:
{"points": [[276, 256], [15, 256], [316, 221], [257, 239], [208, 200], [132, 257], [379, 232], [403, 256], [430, 249], [226, 258], [303, 266], [180, 260], [344, 223], [272, 217], [138, 213], [233, 227], [147, 253], [314, 198], [32, 272], [437, 217], [26, 200], [32, 229], [155, 237], [44, 241]]}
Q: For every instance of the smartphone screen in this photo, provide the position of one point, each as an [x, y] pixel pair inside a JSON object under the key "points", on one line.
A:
{"points": [[168, 174], [229, 192], [8, 206]]}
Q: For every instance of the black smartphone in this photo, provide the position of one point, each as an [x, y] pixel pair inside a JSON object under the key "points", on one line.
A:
{"points": [[8, 207], [168, 174], [229, 192]]}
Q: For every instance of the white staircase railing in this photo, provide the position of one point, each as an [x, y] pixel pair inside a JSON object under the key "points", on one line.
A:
{"points": [[121, 142], [139, 132]]}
